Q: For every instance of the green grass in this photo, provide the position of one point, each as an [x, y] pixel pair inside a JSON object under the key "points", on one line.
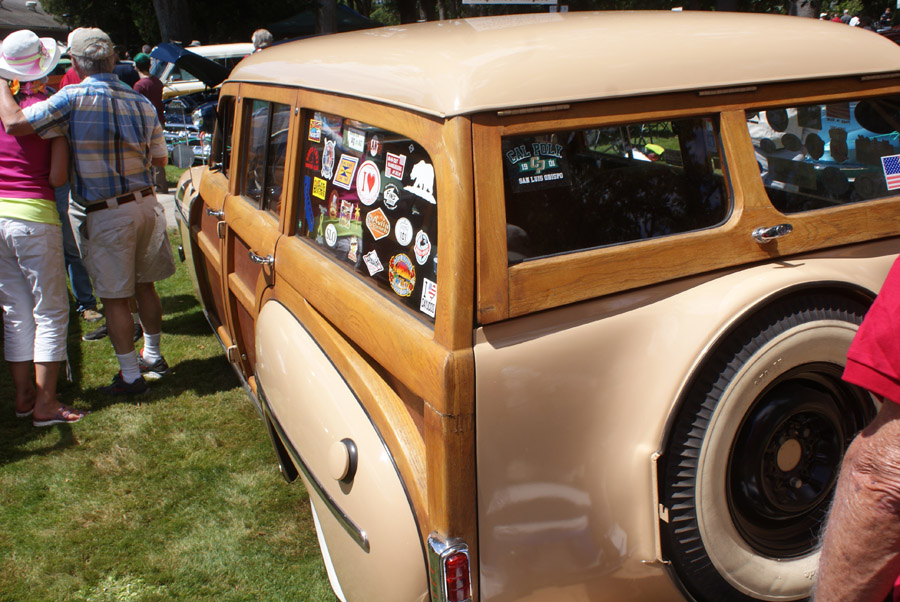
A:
{"points": [[176, 499]]}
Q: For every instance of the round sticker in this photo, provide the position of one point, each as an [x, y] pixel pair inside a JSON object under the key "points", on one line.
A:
{"points": [[402, 275], [368, 183], [330, 235], [422, 248], [791, 142], [403, 230], [778, 119], [391, 196], [815, 147]]}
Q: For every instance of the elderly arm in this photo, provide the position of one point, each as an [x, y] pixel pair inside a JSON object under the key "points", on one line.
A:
{"points": [[11, 115], [860, 556], [160, 161]]}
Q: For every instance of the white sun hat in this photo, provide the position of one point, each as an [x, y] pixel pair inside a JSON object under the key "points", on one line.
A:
{"points": [[26, 57]]}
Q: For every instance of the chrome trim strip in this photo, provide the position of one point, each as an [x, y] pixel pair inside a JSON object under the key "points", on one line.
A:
{"points": [[352, 529]]}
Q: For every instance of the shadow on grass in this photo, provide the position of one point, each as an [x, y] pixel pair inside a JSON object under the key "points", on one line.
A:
{"points": [[18, 432], [191, 324], [172, 304]]}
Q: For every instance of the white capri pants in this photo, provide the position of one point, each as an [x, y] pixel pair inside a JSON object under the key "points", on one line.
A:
{"points": [[33, 291]]}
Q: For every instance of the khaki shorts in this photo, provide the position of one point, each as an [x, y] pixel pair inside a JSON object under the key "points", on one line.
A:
{"points": [[125, 246]]}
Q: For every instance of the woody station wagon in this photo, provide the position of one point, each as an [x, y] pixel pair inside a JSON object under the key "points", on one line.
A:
{"points": [[621, 381]]}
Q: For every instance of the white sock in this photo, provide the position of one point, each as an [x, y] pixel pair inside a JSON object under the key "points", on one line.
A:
{"points": [[129, 366], [151, 347]]}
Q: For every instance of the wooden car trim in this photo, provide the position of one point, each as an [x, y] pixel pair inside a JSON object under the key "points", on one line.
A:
{"points": [[508, 291]]}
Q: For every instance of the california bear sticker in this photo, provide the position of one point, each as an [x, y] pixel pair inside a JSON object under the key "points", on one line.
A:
{"points": [[402, 275]]}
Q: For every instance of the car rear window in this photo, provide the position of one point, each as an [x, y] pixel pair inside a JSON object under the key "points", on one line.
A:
{"points": [[573, 190], [370, 203], [825, 155]]}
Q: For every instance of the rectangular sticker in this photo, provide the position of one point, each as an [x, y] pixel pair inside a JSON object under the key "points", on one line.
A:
{"points": [[318, 189], [428, 304], [394, 165], [315, 130], [343, 176], [355, 139]]}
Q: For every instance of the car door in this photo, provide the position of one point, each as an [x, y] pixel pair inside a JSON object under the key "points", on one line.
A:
{"points": [[253, 214]]}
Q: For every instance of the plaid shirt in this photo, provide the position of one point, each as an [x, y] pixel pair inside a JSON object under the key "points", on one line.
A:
{"points": [[109, 160]]}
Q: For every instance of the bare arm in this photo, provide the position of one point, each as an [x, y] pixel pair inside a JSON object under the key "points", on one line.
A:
{"points": [[159, 161], [11, 115], [59, 161], [861, 543]]}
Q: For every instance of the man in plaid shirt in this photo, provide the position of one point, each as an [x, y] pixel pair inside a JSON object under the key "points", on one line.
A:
{"points": [[115, 137]]}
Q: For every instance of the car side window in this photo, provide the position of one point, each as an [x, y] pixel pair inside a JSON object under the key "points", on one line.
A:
{"points": [[370, 203], [825, 155], [220, 151], [574, 190], [265, 153]]}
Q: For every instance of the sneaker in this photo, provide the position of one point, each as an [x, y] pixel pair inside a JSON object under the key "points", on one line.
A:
{"points": [[103, 332], [96, 335], [91, 315], [120, 387], [153, 371]]}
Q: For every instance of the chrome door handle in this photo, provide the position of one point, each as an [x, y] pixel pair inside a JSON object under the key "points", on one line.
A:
{"points": [[216, 214], [764, 235], [267, 260]]}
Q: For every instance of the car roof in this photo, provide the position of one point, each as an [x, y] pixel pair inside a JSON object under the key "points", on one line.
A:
{"points": [[448, 68]]}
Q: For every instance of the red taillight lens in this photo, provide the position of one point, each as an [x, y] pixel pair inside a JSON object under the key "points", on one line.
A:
{"points": [[456, 568]]}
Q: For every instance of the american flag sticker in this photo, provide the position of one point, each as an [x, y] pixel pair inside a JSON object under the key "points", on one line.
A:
{"points": [[891, 165]]}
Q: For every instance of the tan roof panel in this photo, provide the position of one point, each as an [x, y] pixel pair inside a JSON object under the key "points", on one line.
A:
{"points": [[454, 67]]}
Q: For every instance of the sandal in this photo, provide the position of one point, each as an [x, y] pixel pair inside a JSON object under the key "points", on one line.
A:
{"points": [[64, 415], [28, 412]]}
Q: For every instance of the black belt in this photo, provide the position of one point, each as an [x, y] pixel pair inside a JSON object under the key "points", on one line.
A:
{"points": [[121, 200]]}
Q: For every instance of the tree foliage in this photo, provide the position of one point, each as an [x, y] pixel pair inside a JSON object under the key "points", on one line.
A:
{"points": [[132, 23]]}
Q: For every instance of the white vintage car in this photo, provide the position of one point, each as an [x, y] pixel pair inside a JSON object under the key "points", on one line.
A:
{"points": [[622, 381]]}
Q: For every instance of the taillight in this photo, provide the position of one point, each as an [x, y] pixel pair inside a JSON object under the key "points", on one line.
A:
{"points": [[456, 571], [449, 572]]}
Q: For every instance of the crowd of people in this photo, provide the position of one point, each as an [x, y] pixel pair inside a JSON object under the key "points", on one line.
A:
{"points": [[862, 21], [79, 171]]}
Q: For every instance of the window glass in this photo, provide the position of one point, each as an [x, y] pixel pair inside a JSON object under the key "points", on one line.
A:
{"points": [[370, 202], [265, 150], [580, 189], [220, 152], [824, 155]]}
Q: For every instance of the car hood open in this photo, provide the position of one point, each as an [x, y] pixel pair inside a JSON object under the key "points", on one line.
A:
{"points": [[209, 72]]}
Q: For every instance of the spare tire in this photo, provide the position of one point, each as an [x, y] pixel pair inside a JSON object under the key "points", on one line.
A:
{"points": [[752, 456]]}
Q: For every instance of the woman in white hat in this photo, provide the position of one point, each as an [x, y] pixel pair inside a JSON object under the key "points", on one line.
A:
{"points": [[33, 292]]}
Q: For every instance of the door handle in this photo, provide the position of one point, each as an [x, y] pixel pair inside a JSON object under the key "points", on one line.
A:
{"points": [[216, 214], [267, 260], [764, 235]]}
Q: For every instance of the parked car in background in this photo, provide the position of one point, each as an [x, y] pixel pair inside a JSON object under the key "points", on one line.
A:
{"points": [[622, 380]]}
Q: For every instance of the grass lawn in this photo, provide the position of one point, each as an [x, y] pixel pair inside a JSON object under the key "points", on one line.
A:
{"points": [[176, 499]]}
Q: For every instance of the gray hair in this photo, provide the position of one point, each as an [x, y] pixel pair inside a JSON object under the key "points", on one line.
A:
{"points": [[262, 38], [96, 59]]}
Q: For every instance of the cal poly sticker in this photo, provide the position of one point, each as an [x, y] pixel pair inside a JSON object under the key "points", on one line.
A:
{"points": [[318, 189], [315, 130], [403, 231], [343, 177], [422, 175], [368, 183], [372, 263], [422, 248], [428, 303], [378, 224], [402, 275], [394, 165]]}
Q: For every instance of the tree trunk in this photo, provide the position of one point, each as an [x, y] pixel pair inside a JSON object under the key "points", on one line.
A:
{"points": [[174, 20], [409, 12], [804, 8], [326, 16]]}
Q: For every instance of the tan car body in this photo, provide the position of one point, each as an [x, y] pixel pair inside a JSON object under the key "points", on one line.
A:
{"points": [[527, 422]]}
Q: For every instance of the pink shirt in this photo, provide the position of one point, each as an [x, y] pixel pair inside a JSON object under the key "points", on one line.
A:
{"points": [[25, 163]]}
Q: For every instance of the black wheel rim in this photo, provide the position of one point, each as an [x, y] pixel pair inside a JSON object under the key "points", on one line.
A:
{"points": [[786, 457]]}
